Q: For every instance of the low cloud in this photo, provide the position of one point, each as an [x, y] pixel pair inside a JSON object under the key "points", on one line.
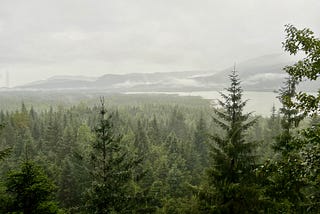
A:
{"points": [[94, 37]]}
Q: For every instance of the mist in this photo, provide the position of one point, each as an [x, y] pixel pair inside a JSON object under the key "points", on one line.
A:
{"points": [[40, 39]]}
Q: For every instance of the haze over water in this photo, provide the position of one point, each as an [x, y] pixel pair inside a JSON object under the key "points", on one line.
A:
{"points": [[259, 103]]}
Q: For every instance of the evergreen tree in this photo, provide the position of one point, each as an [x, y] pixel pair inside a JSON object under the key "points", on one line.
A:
{"points": [[231, 177], [201, 139], [112, 170], [141, 141], [3, 152], [274, 123], [177, 124], [290, 116], [53, 132], [30, 191], [72, 183], [177, 174], [34, 124], [154, 132]]}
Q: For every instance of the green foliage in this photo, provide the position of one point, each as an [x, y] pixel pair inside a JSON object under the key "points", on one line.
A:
{"points": [[4, 153], [231, 186], [61, 139], [111, 171], [291, 117], [201, 139], [291, 182], [30, 191], [303, 40], [150, 155], [308, 68], [301, 164]]}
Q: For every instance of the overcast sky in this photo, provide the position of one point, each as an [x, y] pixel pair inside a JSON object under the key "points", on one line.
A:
{"points": [[42, 38]]}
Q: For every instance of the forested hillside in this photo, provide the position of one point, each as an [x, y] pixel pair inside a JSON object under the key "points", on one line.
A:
{"points": [[169, 140], [168, 155]]}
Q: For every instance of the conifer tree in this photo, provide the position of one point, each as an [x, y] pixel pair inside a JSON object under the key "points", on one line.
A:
{"points": [[290, 116], [141, 141], [231, 187], [111, 172], [274, 122], [177, 124], [154, 131], [69, 193], [3, 152], [200, 140], [30, 190]]}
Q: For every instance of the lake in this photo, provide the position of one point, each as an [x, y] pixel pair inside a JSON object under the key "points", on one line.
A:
{"points": [[260, 103]]}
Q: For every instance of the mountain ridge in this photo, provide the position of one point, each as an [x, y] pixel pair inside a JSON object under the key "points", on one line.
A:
{"points": [[264, 73]]}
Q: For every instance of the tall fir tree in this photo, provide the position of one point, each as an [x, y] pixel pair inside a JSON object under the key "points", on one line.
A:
{"points": [[112, 171], [231, 184], [274, 122], [291, 116]]}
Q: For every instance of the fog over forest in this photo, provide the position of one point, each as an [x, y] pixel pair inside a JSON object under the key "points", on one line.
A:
{"points": [[165, 107]]}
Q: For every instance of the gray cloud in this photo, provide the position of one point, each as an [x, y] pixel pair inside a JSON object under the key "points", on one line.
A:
{"points": [[41, 38]]}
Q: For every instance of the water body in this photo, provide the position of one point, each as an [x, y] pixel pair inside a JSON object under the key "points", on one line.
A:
{"points": [[260, 103]]}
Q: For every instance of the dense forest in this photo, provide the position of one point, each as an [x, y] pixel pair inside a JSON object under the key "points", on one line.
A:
{"points": [[185, 156]]}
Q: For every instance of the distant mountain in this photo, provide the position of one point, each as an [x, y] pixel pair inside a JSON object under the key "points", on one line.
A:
{"points": [[123, 82], [57, 82], [260, 74], [83, 78]]}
